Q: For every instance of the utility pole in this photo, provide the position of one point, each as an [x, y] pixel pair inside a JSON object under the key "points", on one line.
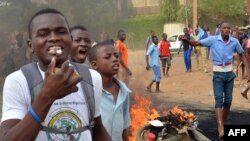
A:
{"points": [[186, 10], [248, 11], [194, 14]]}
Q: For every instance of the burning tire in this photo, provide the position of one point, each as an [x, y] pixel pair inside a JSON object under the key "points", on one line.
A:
{"points": [[171, 135], [143, 131]]}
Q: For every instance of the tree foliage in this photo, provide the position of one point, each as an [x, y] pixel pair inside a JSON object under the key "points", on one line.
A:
{"points": [[212, 11], [222, 8], [169, 10]]}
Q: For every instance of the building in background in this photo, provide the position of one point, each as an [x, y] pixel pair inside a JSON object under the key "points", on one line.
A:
{"points": [[146, 7]]}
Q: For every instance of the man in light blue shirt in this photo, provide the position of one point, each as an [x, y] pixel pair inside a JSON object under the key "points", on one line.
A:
{"points": [[223, 47], [154, 53]]}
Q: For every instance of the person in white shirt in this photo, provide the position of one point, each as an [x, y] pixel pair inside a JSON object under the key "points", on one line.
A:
{"points": [[60, 103]]}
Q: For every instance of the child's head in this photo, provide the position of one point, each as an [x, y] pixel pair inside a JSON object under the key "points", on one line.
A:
{"points": [[49, 31], [81, 44], [104, 58], [105, 36], [164, 36], [155, 40], [121, 35]]}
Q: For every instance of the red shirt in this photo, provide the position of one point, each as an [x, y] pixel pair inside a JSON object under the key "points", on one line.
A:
{"points": [[164, 49]]}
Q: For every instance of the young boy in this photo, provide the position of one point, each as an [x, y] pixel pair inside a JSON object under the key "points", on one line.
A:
{"points": [[115, 98], [165, 54], [60, 105], [124, 71], [154, 53]]}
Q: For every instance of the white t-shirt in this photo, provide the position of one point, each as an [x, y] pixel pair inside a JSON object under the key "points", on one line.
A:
{"points": [[69, 111]]}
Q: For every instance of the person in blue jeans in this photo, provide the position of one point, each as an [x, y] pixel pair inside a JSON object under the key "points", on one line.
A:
{"points": [[187, 50], [153, 53], [223, 47]]}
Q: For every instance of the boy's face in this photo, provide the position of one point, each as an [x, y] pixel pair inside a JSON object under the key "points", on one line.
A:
{"points": [[225, 29], [122, 36], [155, 40], [49, 31], [81, 45], [106, 62]]}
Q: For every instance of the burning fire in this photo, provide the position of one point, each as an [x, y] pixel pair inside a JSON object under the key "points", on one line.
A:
{"points": [[142, 112], [183, 116]]}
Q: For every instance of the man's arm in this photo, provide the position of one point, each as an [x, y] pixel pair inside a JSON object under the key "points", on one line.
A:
{"points": [[19, 130], [123, 64], [147, 64], [147, 44], [99, 132], [125, 135], [179, 49], [190, 42]]}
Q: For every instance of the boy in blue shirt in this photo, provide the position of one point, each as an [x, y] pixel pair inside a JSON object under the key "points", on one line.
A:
{"points": [[154, 53], [115, 98]]}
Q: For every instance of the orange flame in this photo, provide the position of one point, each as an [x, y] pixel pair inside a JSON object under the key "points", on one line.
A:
{"points": [[141, 112], [183, 115]]}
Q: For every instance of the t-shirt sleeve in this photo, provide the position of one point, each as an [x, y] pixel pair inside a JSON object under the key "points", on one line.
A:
{"points": [[97, 84], [16, 97]]}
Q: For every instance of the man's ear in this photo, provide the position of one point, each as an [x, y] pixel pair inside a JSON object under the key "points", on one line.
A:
{"points": [[94, 65], [30, 46]]}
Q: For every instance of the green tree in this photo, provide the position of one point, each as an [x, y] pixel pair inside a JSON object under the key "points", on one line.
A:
{"points": [[169, 10], [219, 10]]}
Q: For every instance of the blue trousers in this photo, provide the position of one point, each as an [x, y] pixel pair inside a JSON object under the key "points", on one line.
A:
{"points": [[223, 83], [187, 59]]}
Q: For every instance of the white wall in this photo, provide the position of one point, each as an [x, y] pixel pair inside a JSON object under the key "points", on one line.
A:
{"points": [[172, 28]]}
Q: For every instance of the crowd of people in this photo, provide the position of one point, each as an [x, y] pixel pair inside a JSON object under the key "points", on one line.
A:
{"points": [[229, 47], [77, 90]]}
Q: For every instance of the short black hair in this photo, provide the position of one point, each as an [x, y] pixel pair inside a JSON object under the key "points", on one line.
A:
{"points": [[78, 27], [92, 52], [164, 34], [41, 12]]}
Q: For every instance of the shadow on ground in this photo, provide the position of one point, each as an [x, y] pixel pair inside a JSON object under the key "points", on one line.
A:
{"points": [[207, 121]]}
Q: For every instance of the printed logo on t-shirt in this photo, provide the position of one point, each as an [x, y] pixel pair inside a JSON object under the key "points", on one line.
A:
{"points": [[65, 119]]}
